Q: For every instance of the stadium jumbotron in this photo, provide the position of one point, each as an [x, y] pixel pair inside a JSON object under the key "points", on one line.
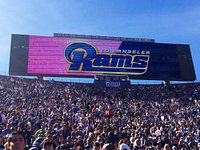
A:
{"points": [[87, 56]]}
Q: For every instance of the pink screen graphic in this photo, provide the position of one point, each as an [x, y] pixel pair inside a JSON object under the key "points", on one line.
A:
{"points": [[46, 54]]}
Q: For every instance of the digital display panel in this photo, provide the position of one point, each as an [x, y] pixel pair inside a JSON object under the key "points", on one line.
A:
{"points": [[82, 57]]}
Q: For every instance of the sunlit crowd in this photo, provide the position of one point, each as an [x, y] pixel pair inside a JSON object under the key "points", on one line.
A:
{"points": [[50, 115]]}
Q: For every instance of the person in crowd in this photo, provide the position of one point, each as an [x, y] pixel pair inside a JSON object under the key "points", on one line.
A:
{"points": [[166, 147], [18, 141], [8, 143], [96, 146], [124, 144], [48, 146]]}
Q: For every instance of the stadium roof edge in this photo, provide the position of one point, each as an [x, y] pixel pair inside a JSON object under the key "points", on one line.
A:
{"points": [[103, 37], [100, 37]]}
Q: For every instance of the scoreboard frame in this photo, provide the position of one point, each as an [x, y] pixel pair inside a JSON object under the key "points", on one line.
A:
{"points": [[169, 62]]}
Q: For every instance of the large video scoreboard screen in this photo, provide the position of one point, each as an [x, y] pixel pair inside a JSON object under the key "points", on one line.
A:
{"points": [[84, 57]]}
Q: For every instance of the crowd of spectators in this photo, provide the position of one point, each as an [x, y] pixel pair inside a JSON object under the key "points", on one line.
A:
{"points": [[52, 115]]}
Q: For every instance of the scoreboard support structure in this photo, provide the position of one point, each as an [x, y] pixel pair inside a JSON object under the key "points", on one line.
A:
{"points": [[113, 81]]}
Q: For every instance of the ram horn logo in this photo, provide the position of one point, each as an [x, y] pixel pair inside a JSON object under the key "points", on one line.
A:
{"points": [[84, 57]]}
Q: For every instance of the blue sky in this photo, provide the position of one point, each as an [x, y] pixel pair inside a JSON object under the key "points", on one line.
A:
{"points": [[165, 21]]}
